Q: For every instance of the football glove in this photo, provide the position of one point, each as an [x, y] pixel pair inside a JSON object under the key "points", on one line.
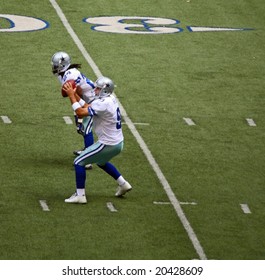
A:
{"points": [[79, 125]]}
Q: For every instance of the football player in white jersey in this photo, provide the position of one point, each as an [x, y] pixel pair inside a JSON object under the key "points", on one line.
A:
{"points": [[107, 126], [65, 71]]}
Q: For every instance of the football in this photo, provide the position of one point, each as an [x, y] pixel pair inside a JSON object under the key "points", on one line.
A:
{"points": [[64, 94]]}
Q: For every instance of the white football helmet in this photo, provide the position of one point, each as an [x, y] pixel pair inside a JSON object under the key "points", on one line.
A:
{"points": [[106, 85], [60, 62]]}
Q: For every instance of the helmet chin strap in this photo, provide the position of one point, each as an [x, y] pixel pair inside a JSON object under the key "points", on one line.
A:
{"points": [[55, 71]]}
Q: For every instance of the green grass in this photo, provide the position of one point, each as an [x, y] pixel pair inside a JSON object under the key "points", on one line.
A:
{"points": [[217, 79]]}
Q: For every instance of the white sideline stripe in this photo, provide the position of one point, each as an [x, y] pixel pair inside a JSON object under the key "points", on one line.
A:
{"points": [[75, 38], [111, 207], [44, 205], [193, 238], [245, 208], [67, 120], [189, 121], [166, 203], [6, 119], [251, 122]]}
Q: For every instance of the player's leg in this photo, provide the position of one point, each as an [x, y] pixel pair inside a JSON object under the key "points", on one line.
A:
{"points": [[87, 130], [88, 156], [100, 154], [123, 185], [109, 168], [87, 133], [80, 177]]}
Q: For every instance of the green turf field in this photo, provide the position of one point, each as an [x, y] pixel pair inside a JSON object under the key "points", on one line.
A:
{"points": [[214, 78]]}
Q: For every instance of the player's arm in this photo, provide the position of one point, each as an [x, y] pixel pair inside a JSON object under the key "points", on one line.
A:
{"points": [[78, 120], [80, 109], [81, 101]]}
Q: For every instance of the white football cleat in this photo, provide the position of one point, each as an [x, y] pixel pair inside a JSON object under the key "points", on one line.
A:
{"points": [[81, 199], [88, 166], [78, 152], [122, 190]]}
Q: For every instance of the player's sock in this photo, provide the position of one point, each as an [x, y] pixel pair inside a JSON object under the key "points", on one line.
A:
{"points": [[88, 139], [111, 170], [80, 176], [121, 181], [80, 191]]}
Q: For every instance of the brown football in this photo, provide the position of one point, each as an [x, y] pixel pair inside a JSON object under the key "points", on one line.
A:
{"points": [[64, 94]]}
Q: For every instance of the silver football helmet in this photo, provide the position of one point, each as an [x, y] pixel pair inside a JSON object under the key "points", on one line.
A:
{"points": [[106, 85], [60, 62]]}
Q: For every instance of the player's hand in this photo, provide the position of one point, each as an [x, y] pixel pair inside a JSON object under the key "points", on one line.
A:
{"points": [[68, 89], [79, 125]]}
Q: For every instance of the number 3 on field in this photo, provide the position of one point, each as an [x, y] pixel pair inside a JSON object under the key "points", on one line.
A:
{"points": [[129, 25]]}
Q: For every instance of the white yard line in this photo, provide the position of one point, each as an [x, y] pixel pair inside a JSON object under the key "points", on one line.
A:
{"points": [[111, 207], [44, 205], [167, 203], [251, 122], [139, 139], [67, 120], [6, 119], [245, 208], [138, 123], [189, 121], [75, 38], [188, 203], [141, 123], [161, 203]]}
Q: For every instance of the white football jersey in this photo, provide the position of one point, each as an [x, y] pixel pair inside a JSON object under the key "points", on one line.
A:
{"points": [[107, 120], [81, 80]]}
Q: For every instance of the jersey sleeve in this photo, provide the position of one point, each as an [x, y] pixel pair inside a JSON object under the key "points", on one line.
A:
{"points": [[98, 107], [71, 74]]}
